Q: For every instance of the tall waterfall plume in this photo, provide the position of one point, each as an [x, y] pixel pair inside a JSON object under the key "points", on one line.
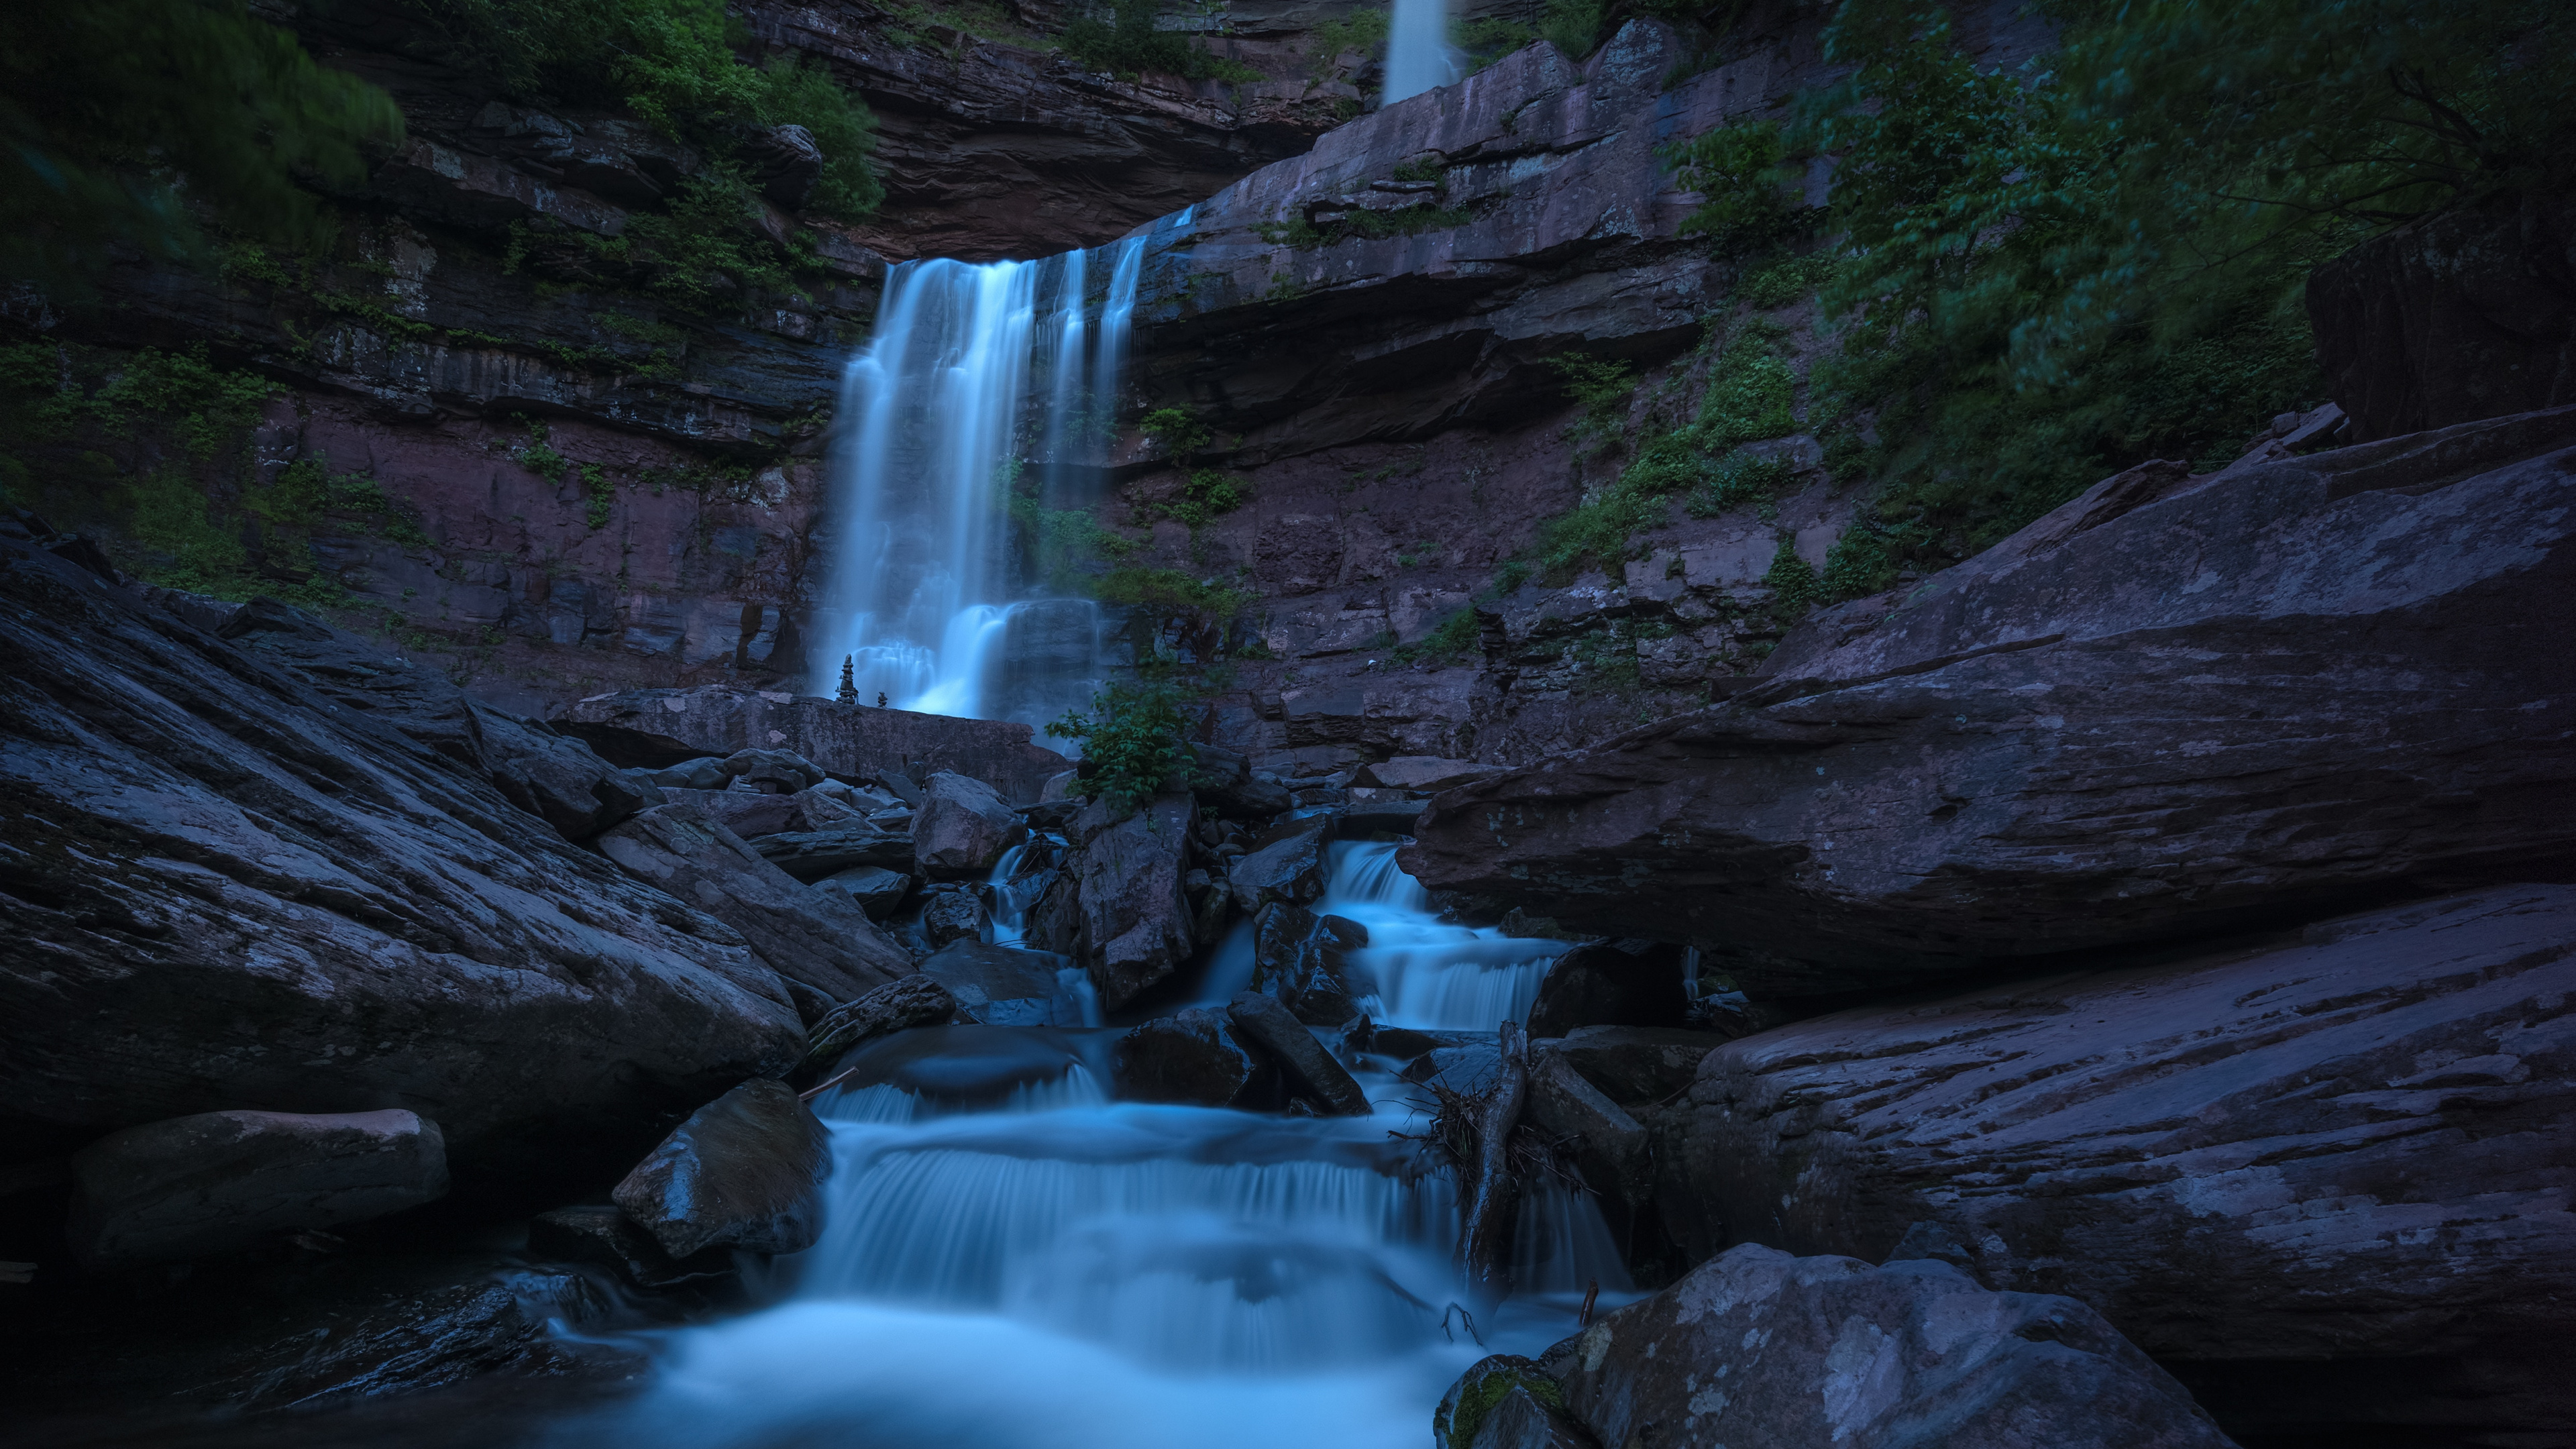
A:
{"points": [[1419, 56]]}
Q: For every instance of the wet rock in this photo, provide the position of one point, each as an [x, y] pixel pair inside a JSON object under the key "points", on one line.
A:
{"points": [[969, 1066], [1610, 1146], [1611, 983], [1757, 1346], [1506, 1402], [229, 887], [1311, 1070], [810, 855], [1225, 780], [745, 1171], [897, 1006], [1636, 1063], [773, 772], [2469, 313], [658, 727], [1898, 804], [1364, 819], [1192, 1056], [879, 892], [1283, 864], [952, 915], [434, 1339], [961, 828], [1006, 985], [1424, 773], [2358, 1147], [222, 1181], [1137, 924], [819, 939], [605, 1237], [1303, 960]]}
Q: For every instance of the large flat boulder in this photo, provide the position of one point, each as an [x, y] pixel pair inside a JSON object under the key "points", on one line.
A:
{"points": [[1193, 1056], [961, 828], [745, 1171], [226, 888], [221, 1181], [1285, 863], [652, 728], [1006, 985], [820, 940], [2360, 1146], [2173, 707], [1137, 925], [1757, 1347]]}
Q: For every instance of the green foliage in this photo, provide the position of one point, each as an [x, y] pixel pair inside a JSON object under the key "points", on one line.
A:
{"points": [[1599, 385], [1132, 742], [2052, 276], [1752, 392], [1750, 203], [599, 495], [1489, 40], [1573, 26], [1787, 282], [1793, 583], [1207, 494], [1127, 44], [119, 118], [802, 94], [203, 408], [1304, 235], [1180, 431], [1738, 479], [1362, 32], [1452, 639]]}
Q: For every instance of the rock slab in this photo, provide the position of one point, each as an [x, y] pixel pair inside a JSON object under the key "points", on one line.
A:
{"points": [[221, 1181], [745, 1171], [961, 828], [1311, 1070]]}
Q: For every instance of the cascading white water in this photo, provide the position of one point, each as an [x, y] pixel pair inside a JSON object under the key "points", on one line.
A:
{"points": [[920, 598], [1429, 973], [1419, 56]]}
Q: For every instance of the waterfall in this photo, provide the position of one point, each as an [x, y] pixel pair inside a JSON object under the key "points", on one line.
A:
{"points": [[938, 432], [1428, 972], [1418, 54]]}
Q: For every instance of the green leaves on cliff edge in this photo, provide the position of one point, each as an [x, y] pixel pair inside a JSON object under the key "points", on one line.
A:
{"points": [[126, 121]]}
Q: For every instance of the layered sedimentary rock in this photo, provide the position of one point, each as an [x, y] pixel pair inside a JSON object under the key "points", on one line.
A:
{"points": [[226, 889], [2165, 709], [665, 726], [2354, 1146]]}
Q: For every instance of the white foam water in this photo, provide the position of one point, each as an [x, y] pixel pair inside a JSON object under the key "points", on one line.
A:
{"points": [[1429, 973]]}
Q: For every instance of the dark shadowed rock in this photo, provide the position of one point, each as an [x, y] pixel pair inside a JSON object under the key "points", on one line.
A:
{"points": [[953, 915], [659, 727], [221, 1181], [1284, 864], [1312, 1072], [816, 938], [745, 1171], [1758, 1347], [752, 814], [913, 1001], [605, 1237], [1364, 819], [225, 887], [1422, 772], [2469, 313], [1136, 922], [2251, 700], [961, 827], [1466, 1068], [2363, 1146], [1636, 1063], [1611, 983], [878, 892], [1192, 1056], [810, 855], [1303, 960], [774, 772], [1005, 985], [1610, 1146]]}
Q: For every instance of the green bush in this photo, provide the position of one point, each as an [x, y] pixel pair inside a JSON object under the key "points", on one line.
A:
{"points": [[1206, 494], [1452, 639], [1749, 200], [1793, 583], [1127, 44], [1132, 742], [1360, 32]]}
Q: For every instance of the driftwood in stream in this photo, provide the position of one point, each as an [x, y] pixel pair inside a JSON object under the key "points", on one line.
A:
{"points": [[1489, 1194], [909, 1002]]}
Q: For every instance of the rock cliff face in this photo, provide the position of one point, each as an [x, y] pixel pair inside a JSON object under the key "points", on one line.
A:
{"points": [[2256, 696]]}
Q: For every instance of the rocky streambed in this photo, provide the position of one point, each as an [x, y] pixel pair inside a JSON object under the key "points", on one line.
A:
{"points": [[2116, 992]]}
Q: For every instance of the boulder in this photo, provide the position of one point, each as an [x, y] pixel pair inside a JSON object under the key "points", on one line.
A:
{"points": [[2203, 705], [818, 939], [1758, 1347], [961, 828], [1006, 985], [949, 916], [810, 855], [605, 1237], [745, 1171], [654, 728], [1423, 773], [1192, 1056], [897, 1006], [2359, 1146], [1284, 864], [1224, 780], [228, 886], [1136, 923], [876, 891], [1505, 1401], [1635, 1063], [773, 772], [1312, 1073], [2467, 313], [753, 813], [221, 1181], [706, 772], [1303, 960], [971, 1065], [1611, 983]]}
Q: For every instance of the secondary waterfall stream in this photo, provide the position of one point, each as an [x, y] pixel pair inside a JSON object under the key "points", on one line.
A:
{"points": [[1012, 1259]]}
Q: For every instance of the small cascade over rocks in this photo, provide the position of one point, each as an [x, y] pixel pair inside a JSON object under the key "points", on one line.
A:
{"points": [[1428, 973]]}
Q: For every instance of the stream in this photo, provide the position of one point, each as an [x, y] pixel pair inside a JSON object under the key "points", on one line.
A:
{"points": [[1011, 1258]]}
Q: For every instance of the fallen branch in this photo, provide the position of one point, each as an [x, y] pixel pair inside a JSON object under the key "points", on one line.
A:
{"points": [[1489, 1198]]}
